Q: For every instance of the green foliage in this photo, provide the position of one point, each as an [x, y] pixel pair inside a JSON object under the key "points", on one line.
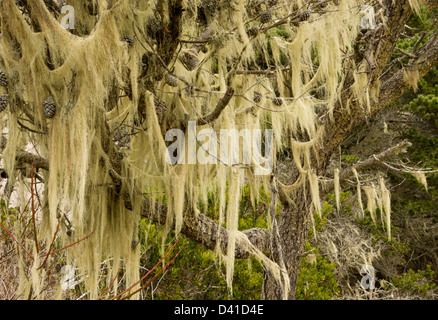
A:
{"points": [[253, 216], [350, 159], [428, 85], [8, 215], [396, 249], [320, 221], [316, 280], [418, 23], [425, 144], [198, 273], [346, 202], [424, 151], [426, 106], [419, 282], [279, 31]]}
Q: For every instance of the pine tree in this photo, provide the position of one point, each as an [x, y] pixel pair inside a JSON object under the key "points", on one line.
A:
{"points": [[104, 155]]}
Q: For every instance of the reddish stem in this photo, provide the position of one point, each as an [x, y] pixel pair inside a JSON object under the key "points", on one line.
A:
{"points": [[168, 252], [158, 273], [70, 245], [13, 238], [25, 207], [112, 282], [51, 244]]}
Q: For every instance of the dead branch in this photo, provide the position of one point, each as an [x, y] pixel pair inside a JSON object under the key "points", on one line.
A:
{"points": [[373, 162]]}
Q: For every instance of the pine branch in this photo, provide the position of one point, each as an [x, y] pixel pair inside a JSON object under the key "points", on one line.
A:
{"points": [[29, 158], [203, 38], [202, 229], [197, 227], [373, 162], [223, 102], [394, 87]]}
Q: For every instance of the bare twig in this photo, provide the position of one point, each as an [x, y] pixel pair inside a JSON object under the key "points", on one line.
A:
{"points": [[51, 244], [139, 281], [268, 73], [410, 55], [112, 282], [13, 238], [29, 158], [372, 162], [70, 245], [158, 273]]}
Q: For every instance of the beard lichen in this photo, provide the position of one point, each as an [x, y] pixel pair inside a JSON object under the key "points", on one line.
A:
{"points": [[308, 60]]}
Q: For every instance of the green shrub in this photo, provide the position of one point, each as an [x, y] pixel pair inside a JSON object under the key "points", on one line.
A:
{"points": [[316, 280], [416, 283]]}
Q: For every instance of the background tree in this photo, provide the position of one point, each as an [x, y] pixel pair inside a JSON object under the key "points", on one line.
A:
{"points": [[96, 102]]}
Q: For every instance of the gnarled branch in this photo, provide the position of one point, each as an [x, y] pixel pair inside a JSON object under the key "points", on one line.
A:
{"points": [[372, 162], [223, 102]]}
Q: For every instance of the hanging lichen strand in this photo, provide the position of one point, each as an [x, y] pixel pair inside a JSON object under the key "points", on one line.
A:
{"points": [[98, 62], [79, 164]]}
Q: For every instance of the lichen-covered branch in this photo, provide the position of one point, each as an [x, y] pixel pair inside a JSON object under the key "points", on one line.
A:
{"points": [[30, 158], [394, 87], [374, 161], [223, 102]]}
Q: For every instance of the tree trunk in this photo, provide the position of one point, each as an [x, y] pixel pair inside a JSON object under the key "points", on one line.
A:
{"points": [[293, 229]]}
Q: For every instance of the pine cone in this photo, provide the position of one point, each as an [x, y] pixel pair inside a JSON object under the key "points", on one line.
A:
{"points": [[153, 27], [257, 97], [3, 79], [129, 40], [266, 16], [277, 101], [253, 31], [49, 107], [3, 102], [171, 80], [160, 109], [189, 59], [305, 15]]}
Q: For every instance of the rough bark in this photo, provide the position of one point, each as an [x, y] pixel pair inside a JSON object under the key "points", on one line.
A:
{"points": [[293, 224]]}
